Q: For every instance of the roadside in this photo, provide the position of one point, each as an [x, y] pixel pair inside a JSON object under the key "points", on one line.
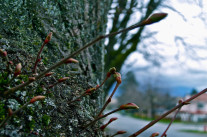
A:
{"points": [[131, 125]]}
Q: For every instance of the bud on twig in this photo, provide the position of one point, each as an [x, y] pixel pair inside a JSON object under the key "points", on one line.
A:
{"points": [[18, 69], [48, 38], [180, 101], [49, 74], [155, 134], [105, 125], [31, 78], [63, 79], [71, 60], [119, 132], [11, 63], [3, 53], [117, 75], [10, 112], [129, 106], [37, 98], [113, 119], [90, 90], [156, 17]]}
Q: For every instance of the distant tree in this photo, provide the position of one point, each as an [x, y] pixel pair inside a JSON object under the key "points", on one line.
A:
{"points": [[120, 47], [193, 92]]}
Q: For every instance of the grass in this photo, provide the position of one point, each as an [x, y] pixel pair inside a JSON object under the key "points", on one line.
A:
{"points": [[165, 120], [193, 131]]}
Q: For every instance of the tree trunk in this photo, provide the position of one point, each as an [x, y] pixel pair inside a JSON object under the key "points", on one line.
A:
{"points": [[24, 24]]}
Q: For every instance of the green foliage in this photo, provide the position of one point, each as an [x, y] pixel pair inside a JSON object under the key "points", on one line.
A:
{"points": [[3, 80], [46, 120], [2, 111]]}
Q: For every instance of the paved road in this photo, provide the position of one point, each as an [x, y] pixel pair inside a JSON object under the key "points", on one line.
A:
{"points": [[132, 125]]}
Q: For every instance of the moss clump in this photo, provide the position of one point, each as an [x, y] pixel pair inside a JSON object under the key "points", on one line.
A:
{"points": [[46, 120]]}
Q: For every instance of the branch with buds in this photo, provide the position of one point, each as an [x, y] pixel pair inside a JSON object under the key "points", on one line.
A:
{"points": [[152, 19], [164, 133], [3, 54], [122, 107], [118, 80], [11, 113], [186, 102], [38, 59], [59, 81], [105, 125], [91, 90]]}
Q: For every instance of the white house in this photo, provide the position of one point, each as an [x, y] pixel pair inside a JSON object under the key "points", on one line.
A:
{"points": [[196, 110]]}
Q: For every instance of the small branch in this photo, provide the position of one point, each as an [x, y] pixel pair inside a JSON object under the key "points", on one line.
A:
{"points": [[167, 113], [48, 38], [82, 95], [77, 52], [38, 58], [122, 107], [15, 112], [118, 133], [103, 116], [34, 99], [108, 100], [164, 134]]}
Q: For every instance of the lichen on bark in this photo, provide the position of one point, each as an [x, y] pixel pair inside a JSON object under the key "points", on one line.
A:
{"points": [[24, 25]]}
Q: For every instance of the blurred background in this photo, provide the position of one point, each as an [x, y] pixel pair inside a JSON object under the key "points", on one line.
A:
{"points": [[160, 64]]}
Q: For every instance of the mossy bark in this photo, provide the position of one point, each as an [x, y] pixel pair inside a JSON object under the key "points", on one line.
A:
{"points": [[24, 24]]}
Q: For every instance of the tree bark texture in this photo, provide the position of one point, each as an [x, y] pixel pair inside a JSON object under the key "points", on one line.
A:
{"points": [[24, 24]]}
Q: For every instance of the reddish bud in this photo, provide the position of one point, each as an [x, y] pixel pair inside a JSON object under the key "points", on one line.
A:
{"points": [[105, 125], [117, 75], [129, 106], [48, 38], [71, 60], [3, 53], [156, 17], [49, 74], [18, 69], [22, 82], [121, 132], [63, 79], [37, 98], [11, 63], [10, 112], [31, 78], [155, 134], [113, 119], [180, 101], [90, 90]]}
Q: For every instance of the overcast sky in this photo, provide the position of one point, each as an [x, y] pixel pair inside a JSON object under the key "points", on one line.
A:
{"points": [[182, 40]]}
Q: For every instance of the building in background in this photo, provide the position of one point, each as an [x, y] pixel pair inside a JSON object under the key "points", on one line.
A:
{"points": [[196, 111]]}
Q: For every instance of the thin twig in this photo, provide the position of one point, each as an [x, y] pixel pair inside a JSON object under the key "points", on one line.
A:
{"points": [[167, 113], [38, 57], [164, 134], [108, 100], [14, 113], [98, 118]]}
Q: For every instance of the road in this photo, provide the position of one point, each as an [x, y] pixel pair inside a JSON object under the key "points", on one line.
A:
{"points": [[132, 125]]}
